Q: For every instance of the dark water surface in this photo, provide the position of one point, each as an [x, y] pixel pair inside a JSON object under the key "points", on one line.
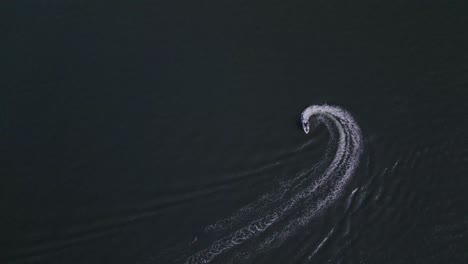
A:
{"points": [[129, 127]]}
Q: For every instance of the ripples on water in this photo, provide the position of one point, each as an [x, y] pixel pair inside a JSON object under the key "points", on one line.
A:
{"points": [[380, 195], [400, 182], [265, 224]]}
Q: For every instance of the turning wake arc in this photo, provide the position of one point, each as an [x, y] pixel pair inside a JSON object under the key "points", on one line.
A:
{"points": [[296, 201]]}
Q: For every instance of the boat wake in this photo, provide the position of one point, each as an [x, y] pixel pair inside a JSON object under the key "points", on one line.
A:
{"points": [[276, 216]]}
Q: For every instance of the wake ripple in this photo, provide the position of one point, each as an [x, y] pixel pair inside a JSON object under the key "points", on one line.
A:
{"points": [[298, 200]]}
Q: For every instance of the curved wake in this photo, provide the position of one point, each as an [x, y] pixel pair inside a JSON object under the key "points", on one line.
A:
{"points": [[298, 200]]}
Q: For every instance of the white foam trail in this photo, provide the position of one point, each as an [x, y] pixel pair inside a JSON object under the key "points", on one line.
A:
{"points": [[321, 243], [295, 203]]}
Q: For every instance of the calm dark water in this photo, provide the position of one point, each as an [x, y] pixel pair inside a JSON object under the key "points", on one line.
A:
{"points": [[129, 127]]}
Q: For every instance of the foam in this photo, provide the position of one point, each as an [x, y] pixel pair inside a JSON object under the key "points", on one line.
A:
{"points": [[279, 215]]}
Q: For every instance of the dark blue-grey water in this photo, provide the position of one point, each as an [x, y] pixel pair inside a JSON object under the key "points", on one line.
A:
{"points": [[149, 131]]}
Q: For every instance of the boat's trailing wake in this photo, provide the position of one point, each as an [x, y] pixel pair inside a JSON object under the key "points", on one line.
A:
{"points": [[267, 222]]}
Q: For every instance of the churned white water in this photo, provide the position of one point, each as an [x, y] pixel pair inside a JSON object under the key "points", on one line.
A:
{"points": [[278, 215]]}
